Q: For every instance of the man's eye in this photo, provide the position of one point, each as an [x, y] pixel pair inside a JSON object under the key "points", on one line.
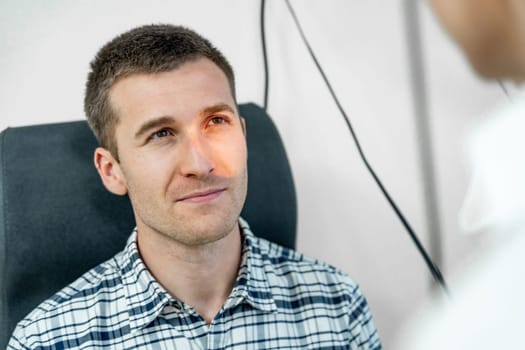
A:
{"points": [[160, 134], [216, 120]]}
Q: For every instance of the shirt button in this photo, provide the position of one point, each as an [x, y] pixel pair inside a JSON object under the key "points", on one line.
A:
{"points": [[177, 307]]}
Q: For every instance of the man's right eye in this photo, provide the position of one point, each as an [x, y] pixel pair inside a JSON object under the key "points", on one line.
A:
{"points": [[160, 134]]}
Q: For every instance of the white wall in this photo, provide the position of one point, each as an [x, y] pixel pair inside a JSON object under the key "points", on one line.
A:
{"points": [[46, 47]]}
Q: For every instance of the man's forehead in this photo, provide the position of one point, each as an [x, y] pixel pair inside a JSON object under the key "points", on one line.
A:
{"points": [[193, 65], [199, 83]]}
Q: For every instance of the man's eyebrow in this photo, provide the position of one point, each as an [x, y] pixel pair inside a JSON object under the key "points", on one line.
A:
{"points": [[164, 120], [152, 124], [218, 108]]}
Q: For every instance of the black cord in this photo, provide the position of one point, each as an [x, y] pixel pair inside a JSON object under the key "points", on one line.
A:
{"points": [[434, 270], [265, 57]]}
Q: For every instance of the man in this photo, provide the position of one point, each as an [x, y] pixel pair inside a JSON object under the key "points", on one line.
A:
{"points": [[486, 310], [161, 101]]}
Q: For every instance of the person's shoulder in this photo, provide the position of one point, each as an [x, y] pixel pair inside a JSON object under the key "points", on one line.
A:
{"points": [[312, 291], [89, 286], [300, 269], [74, 304]]}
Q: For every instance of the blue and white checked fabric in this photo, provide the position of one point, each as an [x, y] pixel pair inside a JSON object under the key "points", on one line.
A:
{"points": [[281, 300]]}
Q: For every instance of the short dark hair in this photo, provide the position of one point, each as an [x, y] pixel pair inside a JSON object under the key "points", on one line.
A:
{"points": [[146, 49]]}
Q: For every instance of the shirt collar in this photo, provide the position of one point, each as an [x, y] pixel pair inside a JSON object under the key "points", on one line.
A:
{"points": [[146, 298], [252, 284]]}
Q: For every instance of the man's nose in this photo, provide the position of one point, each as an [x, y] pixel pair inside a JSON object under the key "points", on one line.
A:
{"points": [[195, 158]]}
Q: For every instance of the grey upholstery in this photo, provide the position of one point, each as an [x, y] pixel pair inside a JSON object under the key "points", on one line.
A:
{"points": [[57, 220]]}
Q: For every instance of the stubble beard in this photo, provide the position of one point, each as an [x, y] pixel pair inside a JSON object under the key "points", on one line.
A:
{"points": [[198, 226]]}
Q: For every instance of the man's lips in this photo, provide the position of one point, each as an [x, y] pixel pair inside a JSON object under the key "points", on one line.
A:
{"points": [[202, 196]]}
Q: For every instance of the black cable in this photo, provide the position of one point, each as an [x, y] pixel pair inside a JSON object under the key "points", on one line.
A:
{"points": [[434, 270], [265, 57]]}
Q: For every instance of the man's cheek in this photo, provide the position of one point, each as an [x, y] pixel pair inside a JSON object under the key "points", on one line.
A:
{"points": [[229, 161]]}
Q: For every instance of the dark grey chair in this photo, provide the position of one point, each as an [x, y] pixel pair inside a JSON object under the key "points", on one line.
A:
{"points": [[57, 220]]}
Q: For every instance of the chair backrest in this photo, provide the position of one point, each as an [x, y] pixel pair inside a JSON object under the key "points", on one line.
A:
{"points": [[57, 220]]}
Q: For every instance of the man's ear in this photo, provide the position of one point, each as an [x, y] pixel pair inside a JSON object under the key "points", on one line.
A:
{"points": [[110, 172]]}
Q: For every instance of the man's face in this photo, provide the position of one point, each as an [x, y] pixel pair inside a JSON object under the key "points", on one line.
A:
{"points": [[182, 152]]}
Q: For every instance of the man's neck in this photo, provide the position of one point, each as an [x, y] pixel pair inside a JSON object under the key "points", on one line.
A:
{"points": [[201, 276]]}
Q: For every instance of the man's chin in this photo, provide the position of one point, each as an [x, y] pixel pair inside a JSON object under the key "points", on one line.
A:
{"points": [[204, 230]]}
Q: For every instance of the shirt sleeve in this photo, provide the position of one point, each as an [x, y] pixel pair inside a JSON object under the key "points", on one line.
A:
{"points": [[17, 340], [363, 332]]}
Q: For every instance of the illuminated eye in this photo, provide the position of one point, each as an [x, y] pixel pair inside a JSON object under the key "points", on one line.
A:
{"points": [[217, 120]]}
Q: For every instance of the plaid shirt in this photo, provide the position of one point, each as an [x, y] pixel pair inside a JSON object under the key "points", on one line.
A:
{"points": [[281, 300]]}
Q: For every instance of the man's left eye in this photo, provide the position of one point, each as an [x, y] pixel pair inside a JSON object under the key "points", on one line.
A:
{"points": [[216, 120]]}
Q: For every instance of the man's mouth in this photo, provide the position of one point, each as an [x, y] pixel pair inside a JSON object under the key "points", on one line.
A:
{"points": [[202, 196]]}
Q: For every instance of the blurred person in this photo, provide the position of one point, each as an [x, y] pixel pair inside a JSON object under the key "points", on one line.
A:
{"points": [[486, 310]]}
